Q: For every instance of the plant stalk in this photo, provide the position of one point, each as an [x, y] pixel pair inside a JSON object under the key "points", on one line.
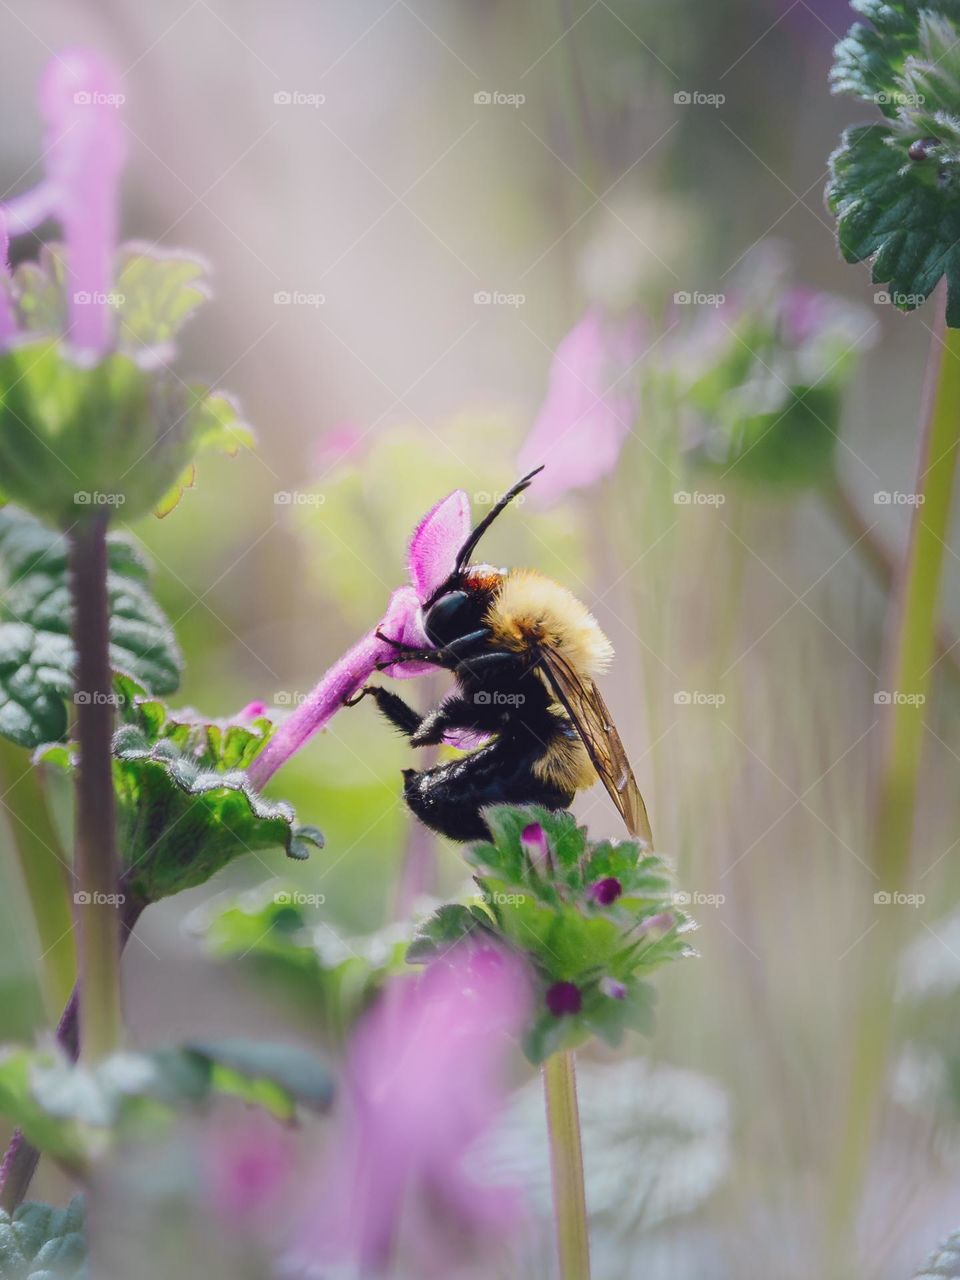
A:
{"points": [[96, 865], [907, 667], [44, 872], [566, 1166]]}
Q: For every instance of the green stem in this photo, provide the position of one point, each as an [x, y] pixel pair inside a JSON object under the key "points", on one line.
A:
{"points": [[566, 1166], [96, 865], [909, 659], [44, 872]]}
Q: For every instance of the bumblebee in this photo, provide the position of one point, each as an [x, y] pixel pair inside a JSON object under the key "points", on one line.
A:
{"points": [[525, 654]]}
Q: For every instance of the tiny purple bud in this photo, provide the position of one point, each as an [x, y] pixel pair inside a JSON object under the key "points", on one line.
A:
{"points": [[612, 988], [564, 998], [606, 891], [536, 846], [663, 922]]}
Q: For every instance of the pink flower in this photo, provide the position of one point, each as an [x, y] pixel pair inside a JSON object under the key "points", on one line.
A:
{"points": [[430, 560], [425, 1076], [249, 1164], [590, 408], [84, 151]]}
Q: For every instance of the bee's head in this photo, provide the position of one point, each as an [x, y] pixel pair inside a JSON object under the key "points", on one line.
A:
{"points": [[463, 598], [462, 605]]}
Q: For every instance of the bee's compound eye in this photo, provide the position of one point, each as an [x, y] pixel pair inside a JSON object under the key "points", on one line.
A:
{"points": [[449, 617]]}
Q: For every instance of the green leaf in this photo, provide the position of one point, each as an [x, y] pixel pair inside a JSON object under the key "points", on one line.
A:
{"points": [[890, 212], [36, 652], [944, 1262], [895, 187], [73, 1111], [41, 1242], [158, 295], [332, 979], [185, 805], [547, 911]]}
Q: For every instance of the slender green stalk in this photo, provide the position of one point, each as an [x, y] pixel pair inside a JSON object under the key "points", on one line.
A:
{"points": [[44, 872], [909, 659], [566, 1166], [96, 866]]}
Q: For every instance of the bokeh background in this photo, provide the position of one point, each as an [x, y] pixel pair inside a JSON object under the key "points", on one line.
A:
{"points": [[381, 198]]}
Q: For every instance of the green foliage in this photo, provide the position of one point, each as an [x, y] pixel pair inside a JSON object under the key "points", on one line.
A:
{"points": [[36, 653], [944, 1262], [763, 403], [73, 1112], [124, 432], [894, 185], [185, 806], [331, 978], [549, 913], [41, 1242]]}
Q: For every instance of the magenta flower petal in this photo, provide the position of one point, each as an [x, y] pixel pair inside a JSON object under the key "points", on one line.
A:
{"points": [[589, 409], [534, 842], [403, 623], [564, 999], [606, 891], [425, 1080], [435, 543]]}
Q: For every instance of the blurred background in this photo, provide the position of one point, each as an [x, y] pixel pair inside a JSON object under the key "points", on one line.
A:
{"points": [[407, 204]]}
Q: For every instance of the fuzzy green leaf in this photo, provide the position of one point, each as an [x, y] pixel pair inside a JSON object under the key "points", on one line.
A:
{"points": [[41, 1242], [36, 652], [869, 61], [185, 806], [158, 294]]}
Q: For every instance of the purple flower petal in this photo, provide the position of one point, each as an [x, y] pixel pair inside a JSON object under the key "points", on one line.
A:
{"points": [[534, 842], [435, 543], [589, 409], [612, 988], [606, 891], [84, 150], [563, 999]]}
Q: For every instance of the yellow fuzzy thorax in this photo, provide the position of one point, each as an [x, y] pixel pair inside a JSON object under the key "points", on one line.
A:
{"points": [[529, 609]]}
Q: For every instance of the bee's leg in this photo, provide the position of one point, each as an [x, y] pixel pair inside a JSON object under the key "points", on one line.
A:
{"points": [[448, 656], [398, 712], [452, 713]]}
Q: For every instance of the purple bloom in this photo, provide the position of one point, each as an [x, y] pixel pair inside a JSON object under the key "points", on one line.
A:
{"points": [[613, 988], [536, 846], [590, 408], [663, 922], [84, 151], [606, 891], [564, 998], [249, 1165], [425, 1081], [432, 554]]}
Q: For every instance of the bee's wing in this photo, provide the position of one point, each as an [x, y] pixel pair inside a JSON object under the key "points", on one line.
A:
{"points": [[581, 699]]}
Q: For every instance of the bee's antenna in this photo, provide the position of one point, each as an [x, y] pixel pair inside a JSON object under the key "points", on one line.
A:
{"points": [[468, 548]]}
